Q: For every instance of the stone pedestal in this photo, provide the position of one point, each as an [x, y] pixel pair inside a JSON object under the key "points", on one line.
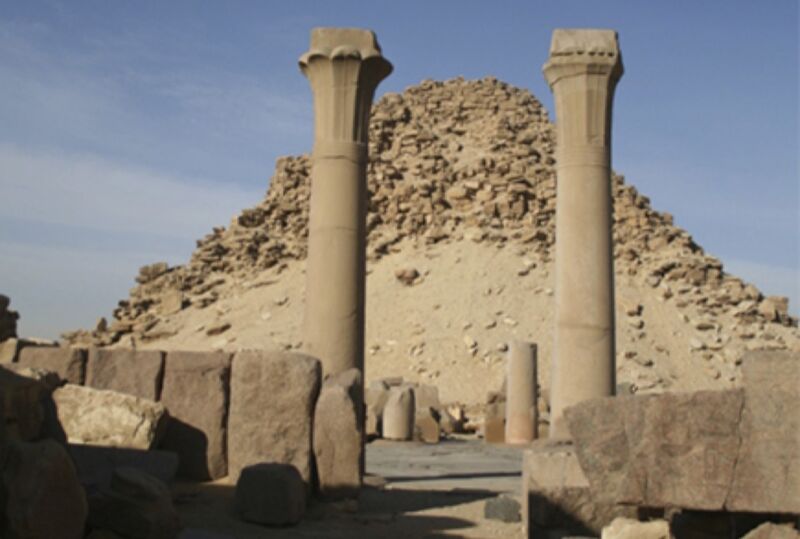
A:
{"points": [[521, 412], [344, 66], [582, 71]]}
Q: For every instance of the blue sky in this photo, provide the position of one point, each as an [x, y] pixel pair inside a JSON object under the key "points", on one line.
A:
{"points": [[129, 129]]}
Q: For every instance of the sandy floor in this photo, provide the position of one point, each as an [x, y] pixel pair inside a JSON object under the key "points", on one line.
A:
{"points": [[417, 491]]}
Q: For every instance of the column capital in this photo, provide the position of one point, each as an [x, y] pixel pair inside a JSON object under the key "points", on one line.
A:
{"points": [[343, 66], [579, 51]]}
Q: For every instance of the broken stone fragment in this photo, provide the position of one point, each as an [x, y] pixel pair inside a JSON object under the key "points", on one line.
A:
{"points": [[628, 528], [135, 506], [426, 426], [338, 439], [107, 418], [407, 276], [399, 414], [270, 493], [43, 497]]}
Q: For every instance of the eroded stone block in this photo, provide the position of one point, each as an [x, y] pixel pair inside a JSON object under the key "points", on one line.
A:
{"points": [[43, 497], [68, 363], [107, 418], [273, 394], [134, 372], [196, 393], [338, 438]]}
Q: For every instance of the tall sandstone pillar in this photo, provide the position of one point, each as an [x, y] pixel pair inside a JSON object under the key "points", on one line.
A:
{"points": [[582, 71], [343, 66]]}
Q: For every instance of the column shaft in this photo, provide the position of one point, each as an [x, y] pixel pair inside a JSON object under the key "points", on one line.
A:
{"points": [[521, 393], [582, 71], [344, 66]]}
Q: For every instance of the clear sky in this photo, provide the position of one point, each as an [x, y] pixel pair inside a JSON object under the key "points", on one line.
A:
{"points": [[129, 129]]}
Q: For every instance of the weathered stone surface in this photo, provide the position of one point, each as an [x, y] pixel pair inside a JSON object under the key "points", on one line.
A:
{"points": [[668, 450], [502, 508], [735, 450], [556, 493], [628, 528], [768, 530], [68, 363], [136, 506], [96, 464], [43, 498], [494, 430], [338, 438], [102, 417], [399, 414], [272, 405], [27, 413], [767, 477], [426, 427], [375, 396], [134, 372], [196, 393], [270, 493], [11, 348]]}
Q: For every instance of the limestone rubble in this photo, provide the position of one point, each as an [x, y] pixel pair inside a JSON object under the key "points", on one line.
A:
{"points": [[452, 163]]}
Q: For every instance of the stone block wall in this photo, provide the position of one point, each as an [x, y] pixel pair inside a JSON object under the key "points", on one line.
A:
{"points": [[227, 411]]}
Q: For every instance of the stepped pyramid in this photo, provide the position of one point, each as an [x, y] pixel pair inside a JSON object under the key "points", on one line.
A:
{"points": [[461, 225]]}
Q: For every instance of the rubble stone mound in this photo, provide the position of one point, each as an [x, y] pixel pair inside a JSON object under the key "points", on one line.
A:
{"points": [[456, 167]]}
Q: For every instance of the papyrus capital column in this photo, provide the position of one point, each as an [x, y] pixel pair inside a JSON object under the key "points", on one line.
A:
{"points": [[582, 71], [343, 66]]}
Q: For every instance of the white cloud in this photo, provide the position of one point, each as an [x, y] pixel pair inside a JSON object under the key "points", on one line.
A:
{"points": [[57, 287], [88, 191]]}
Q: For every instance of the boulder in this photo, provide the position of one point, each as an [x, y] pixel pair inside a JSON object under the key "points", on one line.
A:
{"points": [[23, 399], [767, 477], [107, 418], [667, 450], [196, 393], [135, 506], [628, 528], [733, 450], [43, 497], [375, 396], [68, 363], [768, 530], [271, 493], [399, 414], [494, 430], [134, 372], [96, 464], [426, 426], [556, 493], [273, 394], [338, 438]]}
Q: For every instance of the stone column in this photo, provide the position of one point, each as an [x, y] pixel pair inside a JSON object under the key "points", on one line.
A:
{"points": [[344, 66], [582, 71], [521, 412]]}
